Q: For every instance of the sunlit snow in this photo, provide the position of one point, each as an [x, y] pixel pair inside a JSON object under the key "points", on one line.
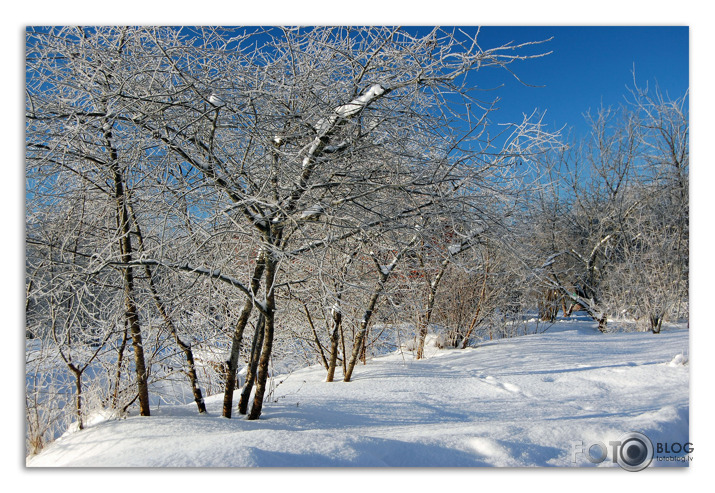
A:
{"points": [[514, 402]]}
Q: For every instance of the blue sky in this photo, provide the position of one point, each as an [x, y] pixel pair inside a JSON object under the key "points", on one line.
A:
{"points": [[589, 66]]}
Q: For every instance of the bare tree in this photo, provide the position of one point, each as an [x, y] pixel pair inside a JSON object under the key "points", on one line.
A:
{"points": [[263, 144], [613, 233], [308, 143], [654, 273], [434, 256], [72, 129]]}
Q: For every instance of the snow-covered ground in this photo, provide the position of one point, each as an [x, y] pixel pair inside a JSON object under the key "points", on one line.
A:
{"points": [[527, 401]]}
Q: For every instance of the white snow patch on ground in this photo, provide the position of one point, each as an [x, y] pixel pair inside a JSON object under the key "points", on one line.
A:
{"points": [[508, 403]]}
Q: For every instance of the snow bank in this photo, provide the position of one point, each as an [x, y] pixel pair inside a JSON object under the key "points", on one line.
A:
{"points": [[526, 401]]}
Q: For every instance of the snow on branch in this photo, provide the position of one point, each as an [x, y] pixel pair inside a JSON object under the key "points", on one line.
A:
{"points": [[312, 213], [357, 104], [465, 244], [350, 109]]}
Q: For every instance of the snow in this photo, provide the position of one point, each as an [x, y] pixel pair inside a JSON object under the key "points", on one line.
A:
{"points": [[455, 248], [514, 402], [312, 212], [679, 359], [357, 104], [216, 100], [350, 109], [329, 149]]}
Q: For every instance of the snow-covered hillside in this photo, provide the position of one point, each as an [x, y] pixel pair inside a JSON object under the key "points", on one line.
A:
{"points": [[527, 401]]}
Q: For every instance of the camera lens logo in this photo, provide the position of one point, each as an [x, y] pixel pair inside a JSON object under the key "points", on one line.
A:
{"points": [[635, 451]]}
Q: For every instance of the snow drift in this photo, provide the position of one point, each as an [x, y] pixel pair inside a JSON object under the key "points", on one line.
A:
{"points": [[516, 402]]}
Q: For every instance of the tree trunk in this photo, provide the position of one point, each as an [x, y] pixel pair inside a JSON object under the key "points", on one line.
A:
{"points": [[232, 363], [334, 339], [356, 350], [252, 365], [342, 347], [365, 321], [161, 308], [656, 322], [78, 396], [131, 313], [423, 326], [360, 337], [425, 318], [338, 335], [480, 303], [193, 378], [473, 324], [315, 337], [549, 305], [262, 374], [581, 299], [363, 349], [137, 344], [125, 248], [120, 360]]}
